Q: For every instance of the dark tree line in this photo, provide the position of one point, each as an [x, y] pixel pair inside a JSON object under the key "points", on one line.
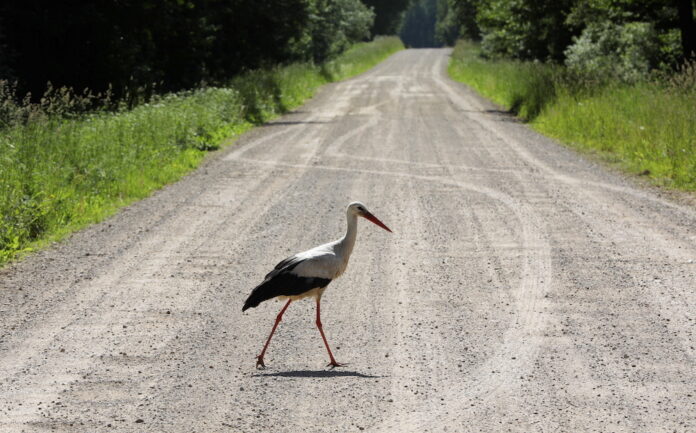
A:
{"points": [[630, 37], [131, 43], [388, 14], [175, 44]]}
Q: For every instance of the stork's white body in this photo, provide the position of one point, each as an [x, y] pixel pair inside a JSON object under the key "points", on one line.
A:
{"points": [[329, 260]]}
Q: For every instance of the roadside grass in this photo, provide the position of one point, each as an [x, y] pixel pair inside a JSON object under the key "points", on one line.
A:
{"points": [[524, 88], [361, 57], [60, 171], [647, 128]]}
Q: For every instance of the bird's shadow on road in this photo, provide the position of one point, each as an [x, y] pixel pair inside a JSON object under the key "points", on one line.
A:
{"points": [[317, 374], [293, 122]]}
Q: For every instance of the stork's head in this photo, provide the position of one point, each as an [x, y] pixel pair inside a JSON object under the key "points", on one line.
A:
{"points": [[358, 209]]}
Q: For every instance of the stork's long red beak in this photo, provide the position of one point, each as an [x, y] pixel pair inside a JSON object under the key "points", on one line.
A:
{"points": [[368, 216]]}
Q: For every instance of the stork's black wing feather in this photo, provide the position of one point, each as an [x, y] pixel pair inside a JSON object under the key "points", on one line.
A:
{"points": [[285, 265], [282, 282]]}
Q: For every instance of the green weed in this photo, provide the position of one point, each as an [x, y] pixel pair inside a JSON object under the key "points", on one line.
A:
{"points": [[61, 170], [647, 128]]}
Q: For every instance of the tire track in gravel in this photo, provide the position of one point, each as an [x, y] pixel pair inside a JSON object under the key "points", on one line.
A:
{"points": [[524, 289], [642, 227], [156, 255]]}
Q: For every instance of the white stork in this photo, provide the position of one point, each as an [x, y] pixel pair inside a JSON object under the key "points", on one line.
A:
{"points": [[308, 273]]}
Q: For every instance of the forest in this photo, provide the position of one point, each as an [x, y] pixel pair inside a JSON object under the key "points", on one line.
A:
{"points": [[135, 47], [169, 45], [625, 38]]}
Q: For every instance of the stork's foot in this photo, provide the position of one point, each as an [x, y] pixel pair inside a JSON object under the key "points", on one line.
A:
{"points": [[259, 363], [334, 364]]}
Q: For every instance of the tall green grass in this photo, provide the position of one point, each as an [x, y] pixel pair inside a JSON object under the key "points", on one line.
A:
{"points": [[647, 128], [60, 171], [522, 87], [361, 57]]}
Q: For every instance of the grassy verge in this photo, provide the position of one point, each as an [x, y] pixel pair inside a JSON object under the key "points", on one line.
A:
{"points": [[59, 174], [647, 128]]}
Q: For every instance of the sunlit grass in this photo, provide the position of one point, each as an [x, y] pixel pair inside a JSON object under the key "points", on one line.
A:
{"points": [[360, 57], [647, 128], [59, 173]]}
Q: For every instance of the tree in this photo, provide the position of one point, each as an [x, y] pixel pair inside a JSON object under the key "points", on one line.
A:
{"points": [[457, 18], [388, 14], [525, 29], [247, 34], [131, 44], [606, 50], [659, 32], [335, 25], [668, 18]]}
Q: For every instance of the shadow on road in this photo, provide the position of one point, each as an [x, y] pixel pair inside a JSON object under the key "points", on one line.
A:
{"points": [[293, 122], [317, 373]]}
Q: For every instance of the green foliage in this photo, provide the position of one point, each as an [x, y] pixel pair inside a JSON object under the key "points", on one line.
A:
{"points": [[627, 52], [525, 88], [133, 44], [139, 48], [671, 21], [524, 29], [360, 57], [455, 19], [387, 15], [648, 32], [334, 25], [648, 127], [661, 13], [446, 25], [61, 171]]}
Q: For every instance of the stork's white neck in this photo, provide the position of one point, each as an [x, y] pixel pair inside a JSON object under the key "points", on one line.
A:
{"points": [[345, 245]]}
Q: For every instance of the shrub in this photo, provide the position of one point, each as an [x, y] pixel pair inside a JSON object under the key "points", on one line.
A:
{"points": [[684, 80], [625, 52], [334, 25]]}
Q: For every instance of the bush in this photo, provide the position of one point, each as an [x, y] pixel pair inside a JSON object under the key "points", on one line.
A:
{"points": [[684, 80], [334, 25], [524, 29], [626, 52]]}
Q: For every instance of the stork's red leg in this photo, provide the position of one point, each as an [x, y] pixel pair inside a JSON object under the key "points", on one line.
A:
{"points": [[333, 362], [259, 359]]}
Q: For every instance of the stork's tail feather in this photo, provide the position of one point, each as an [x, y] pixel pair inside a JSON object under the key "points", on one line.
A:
{"points": [[261, 293], [250, 303]]}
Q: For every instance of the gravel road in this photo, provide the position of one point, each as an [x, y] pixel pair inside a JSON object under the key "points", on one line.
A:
{"points": [[524, 289]]}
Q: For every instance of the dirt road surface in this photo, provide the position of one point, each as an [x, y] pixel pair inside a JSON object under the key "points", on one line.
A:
{"points": [[524, 289]]}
